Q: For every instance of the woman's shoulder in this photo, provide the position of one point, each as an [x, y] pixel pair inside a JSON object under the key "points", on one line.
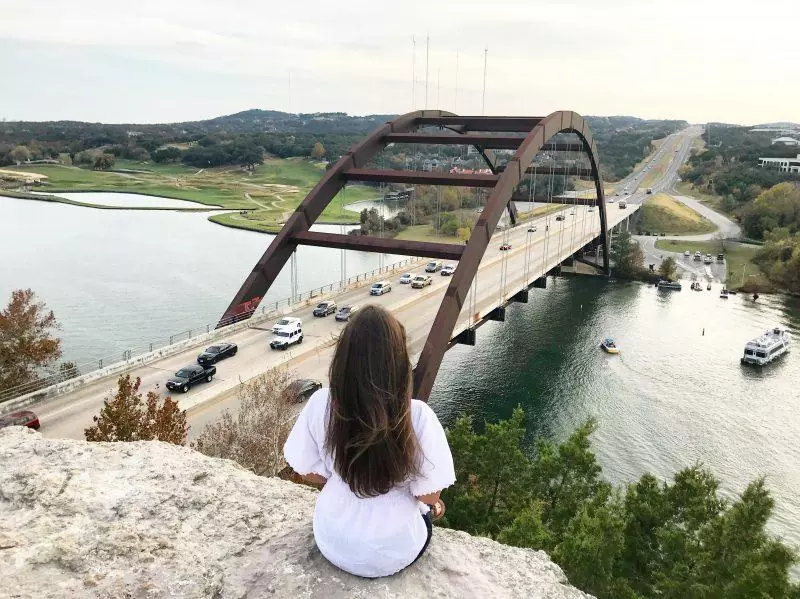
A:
{"points": [[421, 413], [317, 405]]}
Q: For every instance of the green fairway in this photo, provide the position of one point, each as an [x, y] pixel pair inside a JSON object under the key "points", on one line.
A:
{"points": [[269, 193]]}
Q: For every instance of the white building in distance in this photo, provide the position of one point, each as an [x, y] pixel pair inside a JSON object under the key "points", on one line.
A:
{"points": [[786, 141], [785, 165]]}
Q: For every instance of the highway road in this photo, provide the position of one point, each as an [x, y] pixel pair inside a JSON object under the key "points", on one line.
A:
{"points": [[501, 274]]}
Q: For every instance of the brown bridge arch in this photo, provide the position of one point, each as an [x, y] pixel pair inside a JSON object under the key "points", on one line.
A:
{"points": [[503, 182]]}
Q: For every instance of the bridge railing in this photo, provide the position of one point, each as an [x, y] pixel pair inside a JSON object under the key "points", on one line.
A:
{"points": [[264, 311]]}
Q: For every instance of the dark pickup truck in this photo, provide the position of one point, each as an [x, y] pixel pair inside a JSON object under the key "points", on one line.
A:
{"points": [[189, 375]]}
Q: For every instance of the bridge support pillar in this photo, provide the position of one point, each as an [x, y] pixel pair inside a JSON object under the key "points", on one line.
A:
{"points": [[554, 272], [465, 337], [540, 283], [569, 261], [520, 297], [498, 314]]}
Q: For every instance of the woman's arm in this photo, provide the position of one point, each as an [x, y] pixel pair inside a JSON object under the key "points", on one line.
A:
{"points": [[430, 498]]}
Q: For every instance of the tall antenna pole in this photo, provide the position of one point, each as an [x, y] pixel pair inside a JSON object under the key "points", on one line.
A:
{"points": [[413, 72], [427, 61], [455, 99], [289, 108], [483, 100]]}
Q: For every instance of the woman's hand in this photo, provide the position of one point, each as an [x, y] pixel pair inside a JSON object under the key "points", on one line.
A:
{"points": [[314, 479]]}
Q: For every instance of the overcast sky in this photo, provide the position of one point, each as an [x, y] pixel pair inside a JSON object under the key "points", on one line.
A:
{"points": [[175, 60]]}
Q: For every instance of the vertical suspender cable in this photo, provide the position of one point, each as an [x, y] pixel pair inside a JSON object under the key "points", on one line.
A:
{"points": [[413, 72]]}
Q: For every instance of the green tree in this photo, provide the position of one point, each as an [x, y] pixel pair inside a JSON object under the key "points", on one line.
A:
{"points": [[104, 161], [626, 256], [318, 151], [668, 268], [20, 154], [128, 416], [675, 540], [27, 344]]}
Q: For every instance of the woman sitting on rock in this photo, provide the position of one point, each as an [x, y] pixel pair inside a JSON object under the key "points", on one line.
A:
{"points": [[382, 457]]}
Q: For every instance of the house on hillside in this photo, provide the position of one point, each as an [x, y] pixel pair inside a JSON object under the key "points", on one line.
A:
{"points": [[786, 141], [785, 165]]}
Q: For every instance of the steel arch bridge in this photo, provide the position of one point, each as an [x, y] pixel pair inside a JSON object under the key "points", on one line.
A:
{"points": [[528, 136]]}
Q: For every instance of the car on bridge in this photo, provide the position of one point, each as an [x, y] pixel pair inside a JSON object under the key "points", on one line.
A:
{"points": [[325, 308], [345, 312], [433, 266], [505, 247], [687, 253], [532, 229], [380, 288], [561, 217], [286, 332], [421, 281], [215, 353], [300, 390], [406, 278], [189, 375], [21, 418], [448, 269]]}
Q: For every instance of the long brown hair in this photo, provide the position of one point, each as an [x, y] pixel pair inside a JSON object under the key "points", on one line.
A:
{"points": [[370, 433]]}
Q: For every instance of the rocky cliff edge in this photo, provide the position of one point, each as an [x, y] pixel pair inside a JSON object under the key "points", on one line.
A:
{"points": [[151, 520]]}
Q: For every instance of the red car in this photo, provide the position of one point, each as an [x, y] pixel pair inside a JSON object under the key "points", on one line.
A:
{"points": [[24, 418]]}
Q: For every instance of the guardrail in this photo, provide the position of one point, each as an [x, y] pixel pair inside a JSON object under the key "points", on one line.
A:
{"points": [[68, 379]]}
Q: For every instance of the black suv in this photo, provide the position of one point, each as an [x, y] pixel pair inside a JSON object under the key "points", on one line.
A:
{"points": [[189, 375], [325, 308]]}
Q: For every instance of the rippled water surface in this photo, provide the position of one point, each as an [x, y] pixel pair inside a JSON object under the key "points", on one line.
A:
{"points": [[673, 397]]}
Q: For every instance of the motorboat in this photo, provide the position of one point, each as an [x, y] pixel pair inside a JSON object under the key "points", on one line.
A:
{"points": [[696, 286], [609, 346], [670, 285], [723, 294], [708, 287], [767, 347]]}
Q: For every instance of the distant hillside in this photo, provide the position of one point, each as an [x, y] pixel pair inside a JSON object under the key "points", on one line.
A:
{"points": [[239, 138]]}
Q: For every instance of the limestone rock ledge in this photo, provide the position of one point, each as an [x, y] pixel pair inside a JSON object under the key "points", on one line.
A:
{"points": [[151, 520]]}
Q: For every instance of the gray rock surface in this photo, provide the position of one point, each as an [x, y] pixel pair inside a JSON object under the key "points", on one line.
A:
{"points": [[150, 520]]}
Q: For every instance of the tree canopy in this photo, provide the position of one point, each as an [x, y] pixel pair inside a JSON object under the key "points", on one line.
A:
{"points": [[626, 257], [128, 416], [676, 539], [27, 343]]}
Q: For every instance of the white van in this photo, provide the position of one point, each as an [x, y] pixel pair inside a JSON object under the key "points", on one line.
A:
{"points": [[286, 332]]}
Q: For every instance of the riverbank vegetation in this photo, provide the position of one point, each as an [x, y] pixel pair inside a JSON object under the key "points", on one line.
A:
{"points": [[663, 214], [627, 260], [728, 167], [650, 538], [765, 201]]}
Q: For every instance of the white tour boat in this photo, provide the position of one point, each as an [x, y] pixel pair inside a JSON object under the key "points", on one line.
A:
{"points": [[766, 348]]}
